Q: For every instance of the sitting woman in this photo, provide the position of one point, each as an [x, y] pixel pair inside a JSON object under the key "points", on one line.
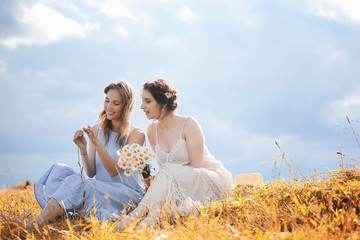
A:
{"points": [[188, 176], [108, 191]]}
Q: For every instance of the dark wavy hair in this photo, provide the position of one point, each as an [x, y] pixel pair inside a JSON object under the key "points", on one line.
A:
{"points": [[158, 89], [128, 100]]}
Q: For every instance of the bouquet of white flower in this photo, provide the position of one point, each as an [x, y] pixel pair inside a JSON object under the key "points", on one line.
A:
{"points": [[134, 158]]}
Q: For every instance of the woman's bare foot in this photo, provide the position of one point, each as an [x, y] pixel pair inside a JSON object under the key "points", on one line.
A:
{"points": [[135, 216], [51, 211]]}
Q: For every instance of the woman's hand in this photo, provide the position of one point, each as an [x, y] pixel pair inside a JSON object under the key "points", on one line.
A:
{"points": [[91, 135], [80, 140], [148, 181], [88, 158]]}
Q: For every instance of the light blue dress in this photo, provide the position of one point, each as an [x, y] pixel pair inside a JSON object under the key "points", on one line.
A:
{"points": [[109, 196]]}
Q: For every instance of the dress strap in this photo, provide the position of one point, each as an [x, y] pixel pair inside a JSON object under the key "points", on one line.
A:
{"points": [[156, 135], [182, 130]]}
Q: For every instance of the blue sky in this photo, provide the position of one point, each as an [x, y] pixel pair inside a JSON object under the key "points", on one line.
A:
{"points": [[251, 72]]}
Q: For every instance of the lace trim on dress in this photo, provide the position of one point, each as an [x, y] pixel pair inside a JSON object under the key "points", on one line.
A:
{"points": [[163, 157], [176, 196], [212, 186], [169, 157]]}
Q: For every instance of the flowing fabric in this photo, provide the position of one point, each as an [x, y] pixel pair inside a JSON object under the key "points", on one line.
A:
{"points": [[108, 196], [180, 188]]}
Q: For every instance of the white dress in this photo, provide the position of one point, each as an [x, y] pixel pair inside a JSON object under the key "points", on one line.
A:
{"points": [[181, 186]]}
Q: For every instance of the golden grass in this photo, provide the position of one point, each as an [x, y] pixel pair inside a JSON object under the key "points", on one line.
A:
{"points": [[321, 207]]}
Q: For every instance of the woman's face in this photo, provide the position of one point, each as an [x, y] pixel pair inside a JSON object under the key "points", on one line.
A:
{"points": [[150, 106], [113, 104]]}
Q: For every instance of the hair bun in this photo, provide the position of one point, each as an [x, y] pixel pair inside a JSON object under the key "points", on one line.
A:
{"points": [[163, 93]]}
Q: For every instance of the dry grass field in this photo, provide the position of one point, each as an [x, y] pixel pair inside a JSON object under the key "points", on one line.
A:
{"points": [[323, 206]]}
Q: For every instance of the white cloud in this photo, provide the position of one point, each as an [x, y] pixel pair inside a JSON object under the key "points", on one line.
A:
{"points": [[341, 10], [113, 8], [349, 106], [71, 6], [2, 66], [46, 25], [186, 15], [122, 31], [79, 11]]}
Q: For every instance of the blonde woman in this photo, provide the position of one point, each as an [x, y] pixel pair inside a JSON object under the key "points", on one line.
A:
{"points": [[61, 190]]}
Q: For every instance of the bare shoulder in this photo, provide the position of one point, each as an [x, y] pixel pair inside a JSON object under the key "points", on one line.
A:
{"points": [[137, 132], [192, 123], [192, 129], [136, 136], [150, 130]]}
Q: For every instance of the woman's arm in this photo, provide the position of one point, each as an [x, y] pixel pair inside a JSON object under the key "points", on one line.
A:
{"points": [[108, 162], [87, 158], [95, 145], [150, 132], [137, 136], [194, 138], [90, 161]]}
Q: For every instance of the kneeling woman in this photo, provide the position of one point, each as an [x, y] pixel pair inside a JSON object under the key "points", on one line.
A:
{"points": [[188, 174], [109, 191]]}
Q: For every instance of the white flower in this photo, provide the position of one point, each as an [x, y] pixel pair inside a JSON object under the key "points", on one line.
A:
{"points": [[129, 165], [119, 152], [127, 173], [123, 165], [148, 158], [134, 157], [135, 167]]}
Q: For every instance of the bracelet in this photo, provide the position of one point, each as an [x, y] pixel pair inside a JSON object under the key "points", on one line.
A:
{"points": [[84, 153]]}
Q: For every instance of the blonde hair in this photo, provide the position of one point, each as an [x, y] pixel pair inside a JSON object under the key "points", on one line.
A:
{"points": [[128, 100]]}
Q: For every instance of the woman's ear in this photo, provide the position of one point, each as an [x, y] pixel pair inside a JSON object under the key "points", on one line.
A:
{"points": [[163, 107]]}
